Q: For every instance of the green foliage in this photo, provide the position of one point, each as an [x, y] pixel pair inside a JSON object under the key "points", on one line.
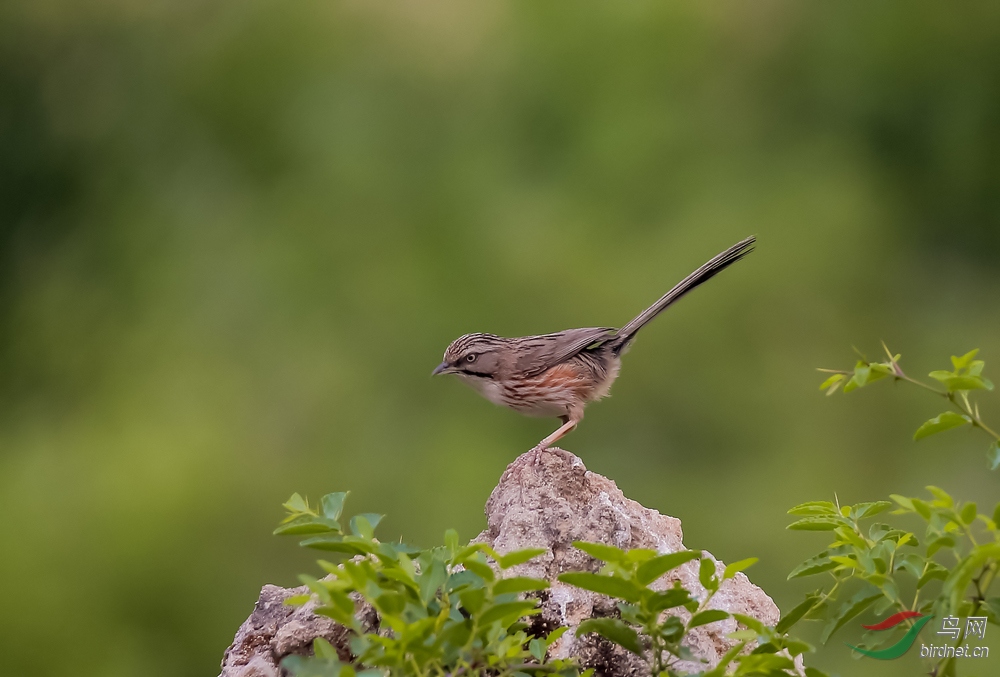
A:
{"points": [[946, 568], [441, 611], [652, 625], [446, 611], [965, 376]]}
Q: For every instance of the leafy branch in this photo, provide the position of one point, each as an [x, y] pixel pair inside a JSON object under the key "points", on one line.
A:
{"points": [[652, 628], [441, 611], [950, 568], [450, 610], [965, 377]]}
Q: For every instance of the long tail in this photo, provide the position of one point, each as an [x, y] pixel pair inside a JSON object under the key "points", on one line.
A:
{"points": [[710, 269]]}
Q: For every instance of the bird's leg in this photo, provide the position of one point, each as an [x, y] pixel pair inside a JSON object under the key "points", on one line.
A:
{"points": [[568, 424]]}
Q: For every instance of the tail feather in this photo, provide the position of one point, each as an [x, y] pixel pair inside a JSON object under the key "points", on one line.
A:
{"points": [[702, 274]]}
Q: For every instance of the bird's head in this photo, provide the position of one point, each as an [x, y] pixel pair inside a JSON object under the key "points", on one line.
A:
{"points": [[472, 355]]}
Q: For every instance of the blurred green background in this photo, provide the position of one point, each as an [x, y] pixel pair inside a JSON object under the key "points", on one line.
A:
{"points": [[236, 237]]}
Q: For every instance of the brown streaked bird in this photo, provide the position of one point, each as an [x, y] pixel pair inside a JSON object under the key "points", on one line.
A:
{"points": [[558, 374]]}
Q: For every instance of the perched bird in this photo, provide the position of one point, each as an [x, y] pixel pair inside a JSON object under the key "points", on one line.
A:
{"points": [[558, 374]]}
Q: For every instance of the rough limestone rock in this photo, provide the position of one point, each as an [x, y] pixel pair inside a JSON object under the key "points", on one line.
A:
{"points": [[275, 630], [548, 501], [543, 500]]}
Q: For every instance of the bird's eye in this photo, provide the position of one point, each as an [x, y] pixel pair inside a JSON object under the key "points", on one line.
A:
{"points": [[470, 358]]}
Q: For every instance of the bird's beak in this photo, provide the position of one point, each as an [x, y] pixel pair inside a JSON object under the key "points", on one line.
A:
{"points": [[442, 368]]}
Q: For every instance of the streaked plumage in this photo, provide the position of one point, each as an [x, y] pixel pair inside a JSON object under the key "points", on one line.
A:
{"points": [[558, 374]]}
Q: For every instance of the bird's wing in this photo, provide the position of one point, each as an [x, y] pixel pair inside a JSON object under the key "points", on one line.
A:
{"points": [[538, 353]]}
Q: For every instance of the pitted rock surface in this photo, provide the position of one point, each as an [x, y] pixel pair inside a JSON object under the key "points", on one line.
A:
{"points": [[549, 500]]}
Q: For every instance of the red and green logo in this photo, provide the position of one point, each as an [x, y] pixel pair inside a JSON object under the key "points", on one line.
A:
{"points": [[905, 642]]}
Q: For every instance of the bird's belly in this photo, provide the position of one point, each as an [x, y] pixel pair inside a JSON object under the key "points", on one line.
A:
{"points": [[526, 398], [603, 387]]}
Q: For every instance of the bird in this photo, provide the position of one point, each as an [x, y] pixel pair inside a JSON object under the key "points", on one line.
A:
{"points": [[557, 375]]}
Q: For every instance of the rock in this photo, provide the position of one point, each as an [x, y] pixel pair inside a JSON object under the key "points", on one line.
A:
{"points": [[549, 500], [543, 500], [275, 630]]}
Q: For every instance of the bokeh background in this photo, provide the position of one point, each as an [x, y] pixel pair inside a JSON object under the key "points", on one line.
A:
{"points": [[235, 238]]}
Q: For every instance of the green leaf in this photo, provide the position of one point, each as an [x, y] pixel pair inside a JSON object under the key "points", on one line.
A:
{"points": [[537, 648], [317, 588], [816, 564], [333, 544], [934, 572], [814, 508], [941, 497], [862, 372], [482, 570], [993, 456], [912, 563], [707, 616], [956, 584], [307, 524], [605, 553], [296, 504], [849, 535], [732, 569], [296, 600], [519, 584], [605, 585], [455, 633], [364, 524], [906, 503], [831, 384], [765, 664], [834, 378], [968, 513], [451, 541], [848, 610], [432, 577], [551, 638], [472, 599], [508, 611], [652, 569], [955, 382], [996, 514], [849, 561], [323, 648], [751, 623], [816, 524], [333, 504], [668, 599], [613, 630], [797, 613], [864, 510], [944, 421], [512, 559], [962, 362], [922, 508], [706, 575], [639, 555], [938, 543]]}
